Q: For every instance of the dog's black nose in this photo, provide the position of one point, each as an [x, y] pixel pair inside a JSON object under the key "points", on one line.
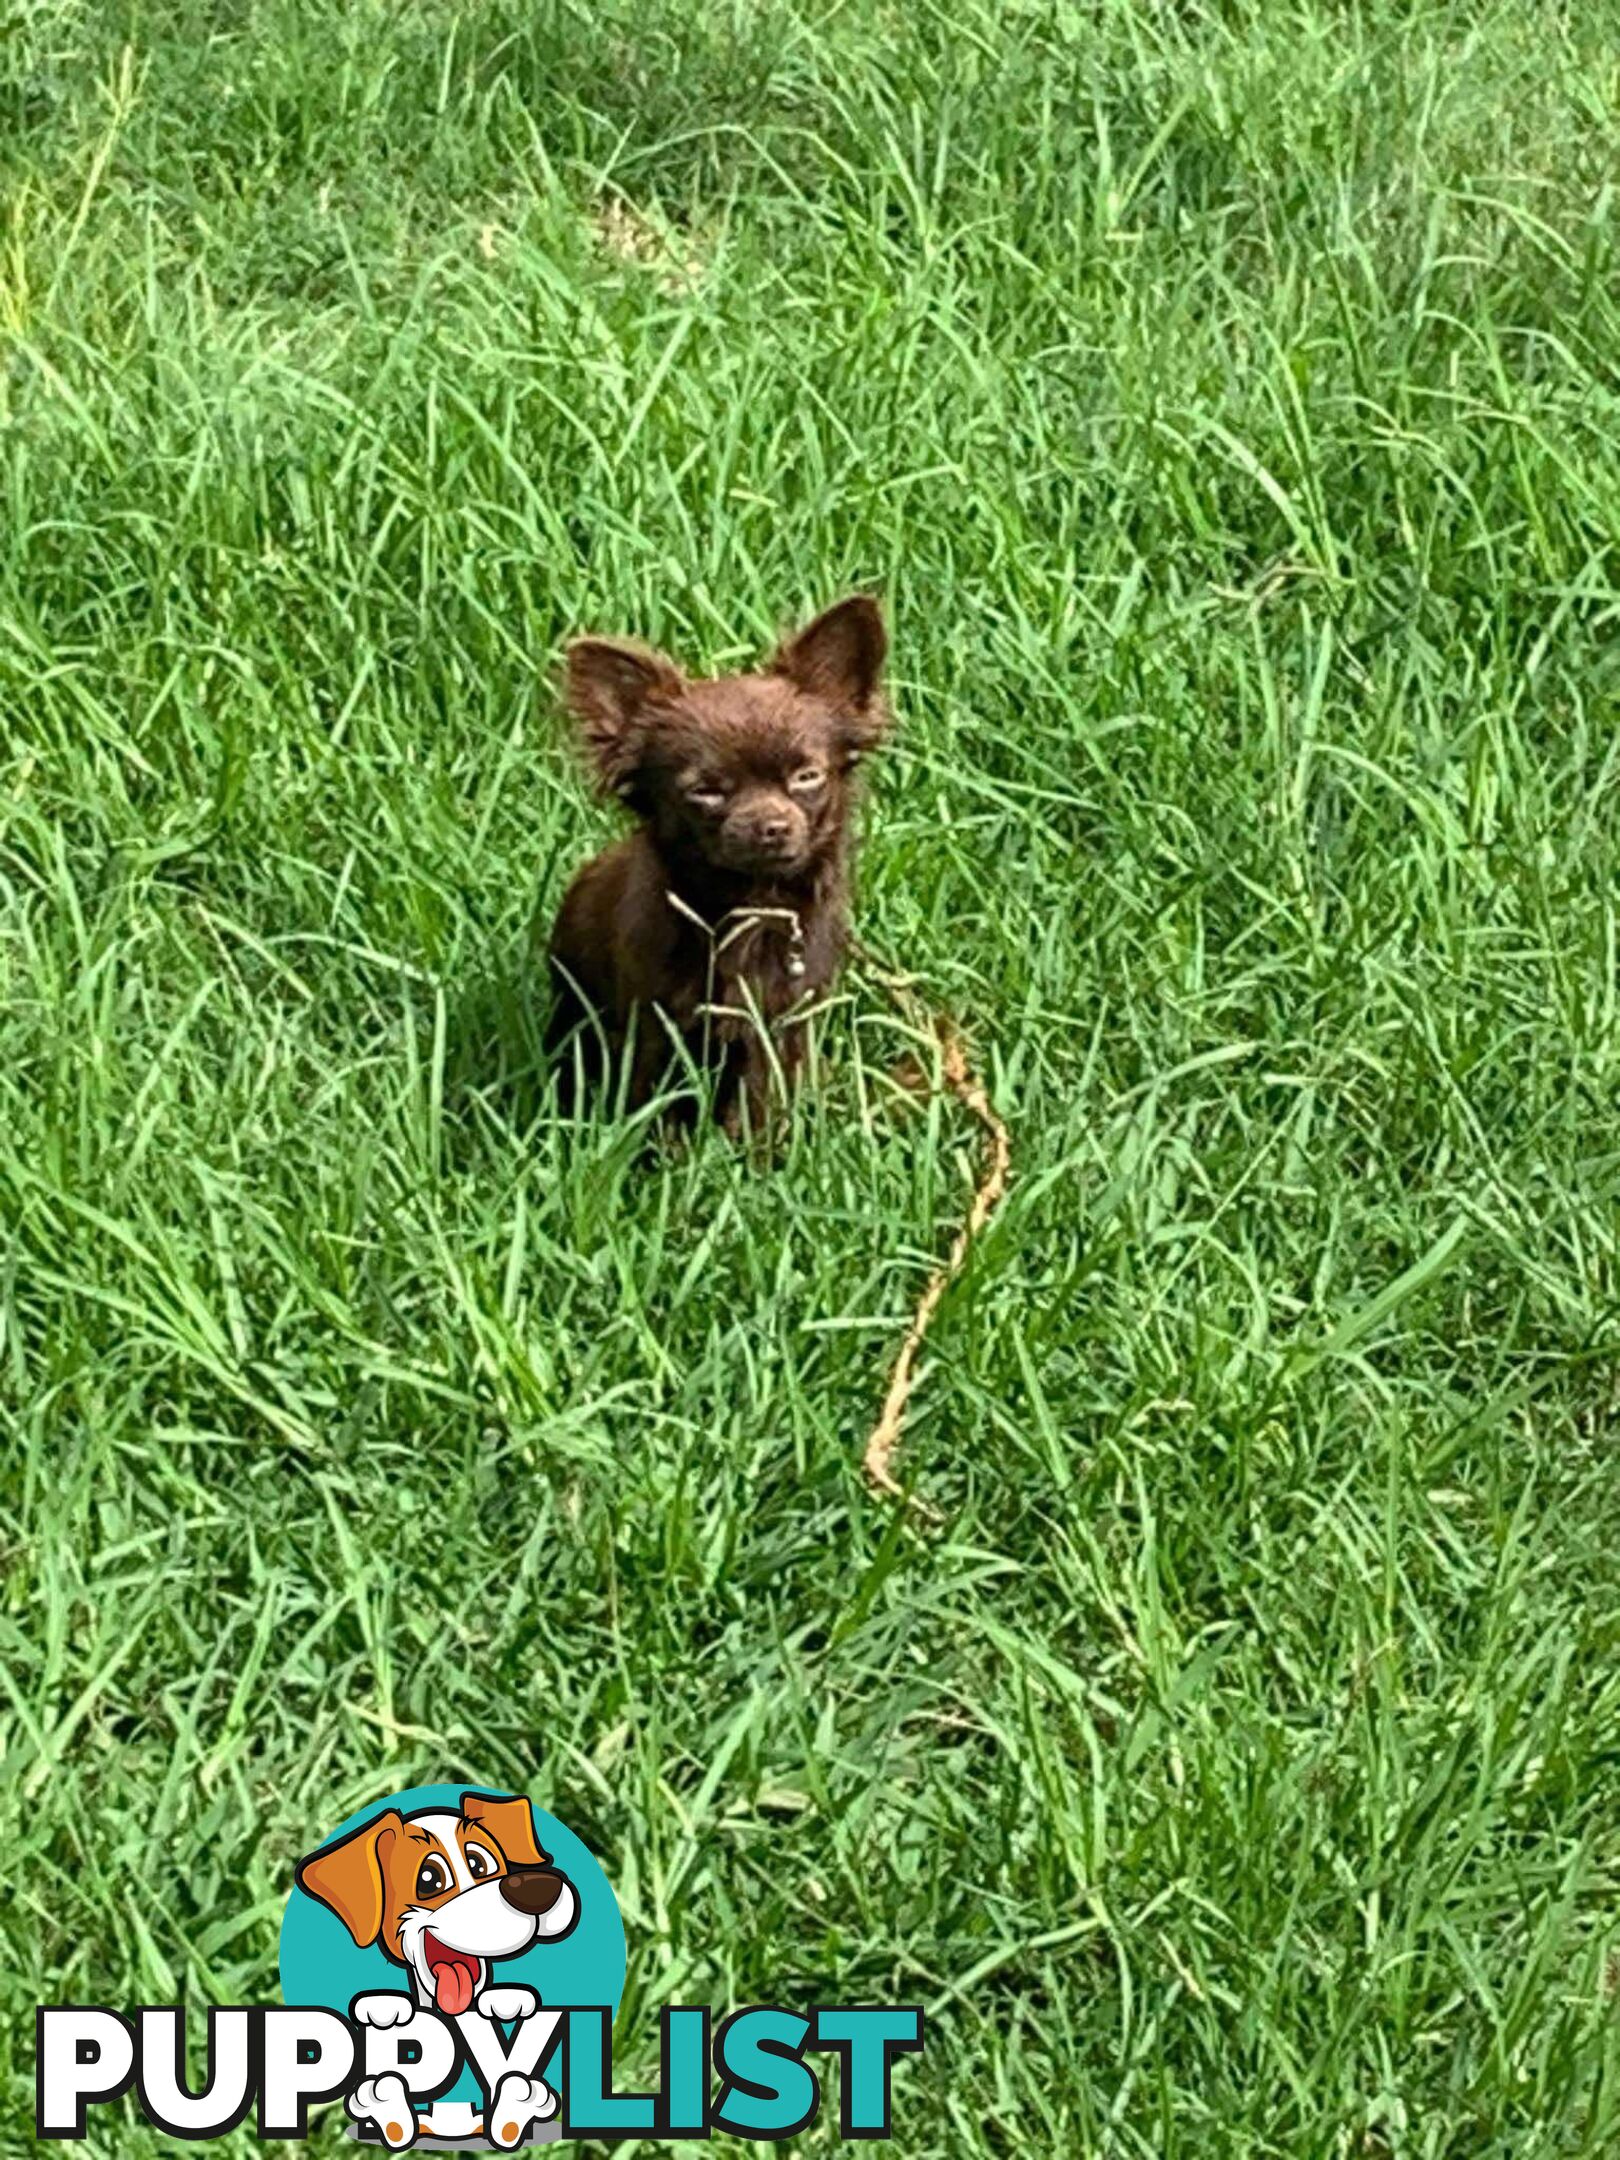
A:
{"points": [[772, 831], [532, 1890]]}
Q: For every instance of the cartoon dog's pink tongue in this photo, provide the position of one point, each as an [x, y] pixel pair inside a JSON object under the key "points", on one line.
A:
{"points": [[454, 1976]]}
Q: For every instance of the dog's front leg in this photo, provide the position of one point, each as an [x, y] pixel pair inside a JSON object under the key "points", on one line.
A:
{"points": [[645, 1058], [771, 1067], [518, 2102], [384, 2103]]}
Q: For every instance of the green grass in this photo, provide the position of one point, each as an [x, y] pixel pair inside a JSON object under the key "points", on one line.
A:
{"points": [[1224, 397]]}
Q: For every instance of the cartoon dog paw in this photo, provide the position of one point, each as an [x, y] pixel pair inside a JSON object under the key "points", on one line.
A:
{"points": [[507, 2003], [518, 2102], [383, 2009], [384, 2103]]}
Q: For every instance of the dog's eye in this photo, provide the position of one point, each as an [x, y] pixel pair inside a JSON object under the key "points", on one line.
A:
{"points": [[432, 1877], [709, 798], [807, 779], [479, 1865]]}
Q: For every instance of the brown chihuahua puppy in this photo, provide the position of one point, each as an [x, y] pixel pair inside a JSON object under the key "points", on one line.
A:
{"points": [[719, 921]]}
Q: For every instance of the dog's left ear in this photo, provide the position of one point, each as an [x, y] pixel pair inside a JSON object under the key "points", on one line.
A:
{"points": [[348, 1877], [839, 658], [510, 1823]]}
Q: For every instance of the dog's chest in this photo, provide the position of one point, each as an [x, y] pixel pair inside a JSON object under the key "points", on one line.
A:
{"points": [[762, 963], [766, 957]]}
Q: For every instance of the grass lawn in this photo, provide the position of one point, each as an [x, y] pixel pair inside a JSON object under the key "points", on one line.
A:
{"points": [[1223, 395]]}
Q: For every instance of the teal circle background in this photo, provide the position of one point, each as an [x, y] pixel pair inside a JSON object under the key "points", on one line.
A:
{"points": [[322, 1964]]}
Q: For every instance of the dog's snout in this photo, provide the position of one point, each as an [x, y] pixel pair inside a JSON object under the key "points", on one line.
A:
{"points": [[532, 1890], [764, 825]]}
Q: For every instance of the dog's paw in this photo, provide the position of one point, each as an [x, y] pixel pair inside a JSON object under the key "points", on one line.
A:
{"points": [[507, 2003], [383, 2009], [384, 2103], [518, 2102]]}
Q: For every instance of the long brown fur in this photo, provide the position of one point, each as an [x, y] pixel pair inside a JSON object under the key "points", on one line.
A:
{"points": [[714, 926]]}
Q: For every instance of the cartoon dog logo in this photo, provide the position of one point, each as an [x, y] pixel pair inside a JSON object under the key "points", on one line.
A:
{"points": [[446, 1895]]}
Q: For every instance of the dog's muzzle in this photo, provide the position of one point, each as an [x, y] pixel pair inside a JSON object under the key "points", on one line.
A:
{"points": [[540, 1893]]}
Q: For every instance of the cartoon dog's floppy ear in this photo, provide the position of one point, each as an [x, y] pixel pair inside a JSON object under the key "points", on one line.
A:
{"points": [[610, 683], [510, 1823], [348, 1876]]}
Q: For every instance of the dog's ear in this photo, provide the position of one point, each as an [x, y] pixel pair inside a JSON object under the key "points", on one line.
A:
{"points": [[611, 684], [510, 1823], [839, 658], [348, 1876]]}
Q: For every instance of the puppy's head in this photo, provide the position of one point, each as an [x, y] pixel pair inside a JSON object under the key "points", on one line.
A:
{"points": [[750, 772], [444, 1894]]}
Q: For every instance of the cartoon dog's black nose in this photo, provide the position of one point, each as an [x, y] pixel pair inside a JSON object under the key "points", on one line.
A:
{"points": [[532, 1890]]}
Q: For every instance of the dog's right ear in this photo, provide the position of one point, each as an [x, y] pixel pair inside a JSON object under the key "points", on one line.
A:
{"points": [[348, 1876], [840, 657], [611, 684]]}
